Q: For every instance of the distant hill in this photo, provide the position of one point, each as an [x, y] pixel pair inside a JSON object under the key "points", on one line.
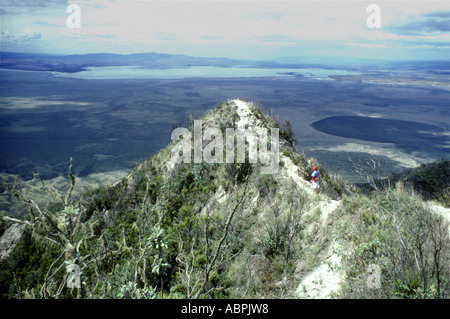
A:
{"points": [[431, 181], [79, 62]]}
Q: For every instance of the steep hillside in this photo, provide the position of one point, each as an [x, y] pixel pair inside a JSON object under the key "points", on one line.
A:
{"points": [[431, 181], [228, 226]]}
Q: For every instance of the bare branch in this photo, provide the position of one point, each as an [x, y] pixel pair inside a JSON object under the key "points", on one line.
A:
{"points": [[221, 241]]}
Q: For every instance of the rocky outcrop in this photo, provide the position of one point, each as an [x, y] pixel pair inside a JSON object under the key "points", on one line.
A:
{"points": [[10, 238]]}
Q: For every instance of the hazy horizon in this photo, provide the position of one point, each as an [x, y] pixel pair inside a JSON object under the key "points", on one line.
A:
{"points": [[285, 59]]}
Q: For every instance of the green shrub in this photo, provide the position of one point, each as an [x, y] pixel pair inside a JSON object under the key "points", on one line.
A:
{"points": [[266, 184], [402, 235]]}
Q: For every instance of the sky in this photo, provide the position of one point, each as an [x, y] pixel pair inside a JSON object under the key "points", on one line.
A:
{"points": [[232, 29]]}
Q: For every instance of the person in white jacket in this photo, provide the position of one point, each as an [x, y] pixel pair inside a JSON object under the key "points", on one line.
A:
{"points": [[315, 178]]}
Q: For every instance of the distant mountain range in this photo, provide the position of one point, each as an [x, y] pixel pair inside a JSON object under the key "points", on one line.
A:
{"points": [[79, 62]]}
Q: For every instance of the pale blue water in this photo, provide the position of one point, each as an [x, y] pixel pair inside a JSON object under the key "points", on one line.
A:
{"points": [[125, 72]]}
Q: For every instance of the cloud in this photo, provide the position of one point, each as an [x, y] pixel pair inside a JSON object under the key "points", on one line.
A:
{"points": [[106, 36], [438, 14], [425, 24], [30, 7], [22, 37], [212, 28], [165, 36], [46, 24]]}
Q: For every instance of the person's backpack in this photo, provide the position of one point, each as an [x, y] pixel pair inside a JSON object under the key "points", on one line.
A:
{"points": [[316, 176]]}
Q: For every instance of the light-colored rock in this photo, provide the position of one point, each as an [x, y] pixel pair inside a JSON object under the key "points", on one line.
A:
{"points": [[10, 238], [324, 280]]}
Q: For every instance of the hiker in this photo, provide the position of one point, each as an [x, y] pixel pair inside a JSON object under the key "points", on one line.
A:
{"points": [[315, 178]]}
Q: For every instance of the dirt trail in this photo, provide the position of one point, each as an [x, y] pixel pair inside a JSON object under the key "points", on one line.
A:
{"points": [[324, 279]]}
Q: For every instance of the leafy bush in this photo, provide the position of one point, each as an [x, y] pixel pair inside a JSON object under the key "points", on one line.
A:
{"points": [[266, 184], [408, 241]]}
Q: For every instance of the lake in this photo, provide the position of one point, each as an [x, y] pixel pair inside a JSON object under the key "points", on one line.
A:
{"points": [[127, 72]]}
